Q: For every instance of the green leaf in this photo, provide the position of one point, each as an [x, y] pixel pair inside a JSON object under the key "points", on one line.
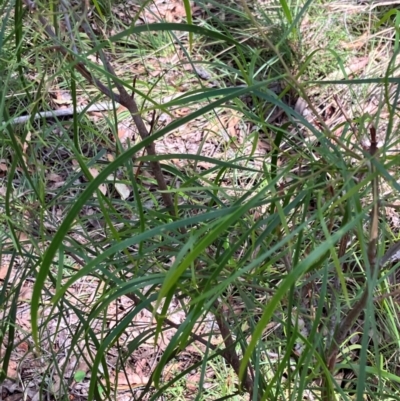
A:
{"points": [[188, 11], [79, 376]]}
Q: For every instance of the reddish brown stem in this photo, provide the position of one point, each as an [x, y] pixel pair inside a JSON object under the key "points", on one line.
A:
{"points": [[122, 98]]}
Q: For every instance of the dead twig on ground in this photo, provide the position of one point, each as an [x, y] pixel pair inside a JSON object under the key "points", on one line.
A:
{"points": [[101, 106]]}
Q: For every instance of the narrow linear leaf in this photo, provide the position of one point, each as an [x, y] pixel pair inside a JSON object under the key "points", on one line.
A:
{"points": [[287, 283]]}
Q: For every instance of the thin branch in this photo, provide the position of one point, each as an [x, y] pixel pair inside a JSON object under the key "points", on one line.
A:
{"points": [[230, 354], [65, 7], [336, 288], [346, 116], [123, 98], [348, 321]]}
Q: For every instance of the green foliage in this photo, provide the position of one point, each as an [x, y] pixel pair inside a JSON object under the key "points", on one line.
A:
{"points": [[259, 232]]}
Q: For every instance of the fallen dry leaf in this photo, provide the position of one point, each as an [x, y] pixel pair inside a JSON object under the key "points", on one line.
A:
{"points": [[62, 97], [94, 59], [126, 131], [26, 142], [14, 397], [232, 126], [3, 271], [95, 173], [123, 134], [25, 294], [12, 369], [23, 347], [356, 44], [22, 237], [123, 190], [192, 382], [54, 177], [56, 387], [129, 378], [355, 66]]}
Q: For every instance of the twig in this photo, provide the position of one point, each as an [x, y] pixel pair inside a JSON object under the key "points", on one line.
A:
{"points": [[65, 7], [230, 354], [64, 112], [336, 287], [348, 119], [343, 327], [381, 3]]}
